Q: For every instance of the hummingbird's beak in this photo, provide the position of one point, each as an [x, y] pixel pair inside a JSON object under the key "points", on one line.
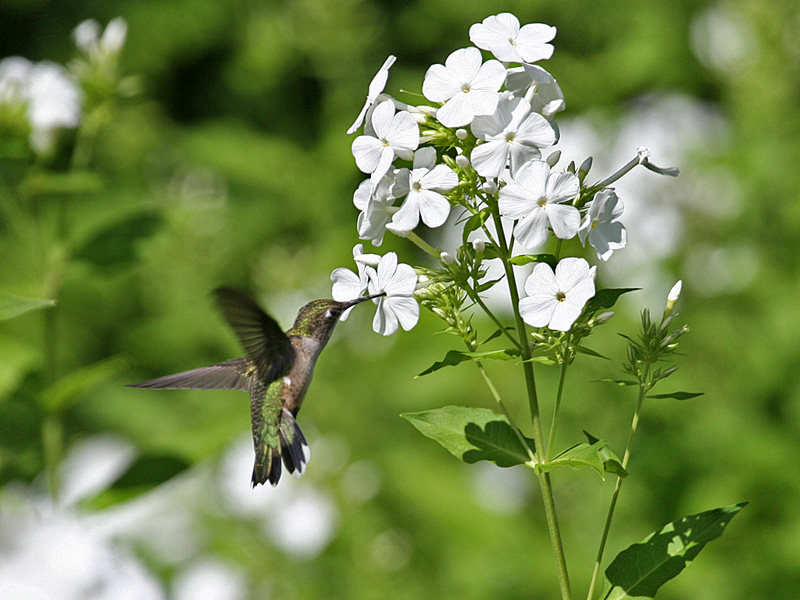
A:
{"points": [[363, 298]]}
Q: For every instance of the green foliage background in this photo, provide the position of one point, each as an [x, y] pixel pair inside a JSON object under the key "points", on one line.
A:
{"points": [[233, 168]]}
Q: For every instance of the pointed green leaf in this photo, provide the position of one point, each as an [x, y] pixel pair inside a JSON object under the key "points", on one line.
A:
{"points": [[677, 395], [524, 259], [589, 351], [12, 306], [475, 222], [578, 457], [604, 299], [638, 571], [487, 285], [472, 434], [455, 357]]}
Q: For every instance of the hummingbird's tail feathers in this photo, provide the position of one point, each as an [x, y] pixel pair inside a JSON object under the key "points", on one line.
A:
{"points": [[267, 467], [295, 450], [234, 374]]}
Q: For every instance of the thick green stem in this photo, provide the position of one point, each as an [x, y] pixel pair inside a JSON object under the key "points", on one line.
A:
{"points": [[536, 418], [615, 495], [422, 244]]}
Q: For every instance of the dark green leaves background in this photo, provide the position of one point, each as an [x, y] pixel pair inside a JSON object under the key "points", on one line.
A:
{"points": [[233, 168]]}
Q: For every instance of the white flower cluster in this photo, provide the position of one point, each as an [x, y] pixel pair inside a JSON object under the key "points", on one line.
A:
{"points": [[479, 146], [48, 94]]}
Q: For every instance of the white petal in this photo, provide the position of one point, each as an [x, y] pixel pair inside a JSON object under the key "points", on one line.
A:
{"points": [[383, 165], [381, 77], [536, 130], [439, 85], [516, 201], [537, 310], [482, 102], [532, 42], [425, 158], [490, 77], [367, 151], [403, 281], [456, 112], [562, 186], [464, 64], [564, 316], [362, 194], [406, 310], [441, 178], [386, 269], [580, 293], [564, 219], [542, 280], [385, 321], [360, 118], [407, 218], [491, 158], [403, 133], [433, 208], [382, 117], [569, 272], [533, 176], [531, 231]]}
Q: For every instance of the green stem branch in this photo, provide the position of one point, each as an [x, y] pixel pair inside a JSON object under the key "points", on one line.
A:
{"points": [[552, 436]]}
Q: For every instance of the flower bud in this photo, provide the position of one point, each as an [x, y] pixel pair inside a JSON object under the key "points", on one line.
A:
{"points": [[490, 187], [672, 298], [461, 133], [603, 317], [553, 158], [583, 170], [479, 246], [447, 258], [462, 161]]}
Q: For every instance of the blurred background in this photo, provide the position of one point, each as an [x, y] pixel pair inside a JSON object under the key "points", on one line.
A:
{"points": [[218, 156]]}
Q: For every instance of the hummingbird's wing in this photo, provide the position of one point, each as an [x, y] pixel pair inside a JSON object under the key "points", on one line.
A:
{"points": [[237, 374], [263, 340]]}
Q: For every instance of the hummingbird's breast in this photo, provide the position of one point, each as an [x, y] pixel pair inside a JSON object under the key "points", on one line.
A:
{"points": [[297, 381]]}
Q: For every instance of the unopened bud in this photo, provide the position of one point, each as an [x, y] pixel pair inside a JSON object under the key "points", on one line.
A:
{"points": [[603, 317], [553, 158], [479, 246], [447, 258], [461, 133], [583, 171], [490, 187], [462, 161], [672, 298]]}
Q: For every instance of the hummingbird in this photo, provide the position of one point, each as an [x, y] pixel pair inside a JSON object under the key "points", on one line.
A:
{"points": [[276, 372]]}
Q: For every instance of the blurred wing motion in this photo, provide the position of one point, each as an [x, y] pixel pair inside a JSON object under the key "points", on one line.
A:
{"points": [[234, 374], [265, 343]]}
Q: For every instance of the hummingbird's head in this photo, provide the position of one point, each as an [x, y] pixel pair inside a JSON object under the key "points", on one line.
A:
{"points": [[318, 318]]}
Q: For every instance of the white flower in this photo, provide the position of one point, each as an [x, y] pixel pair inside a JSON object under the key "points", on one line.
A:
{"points": [[14, 75], [534, 197], [602, 226], [54, 102], [88, 39], [468, 87], [424, 201], [377, 204], [512, 132], [502, 36], [396, 135], [398, 281], [548, 99], [375, 89], [349, 286], [555, 300]]}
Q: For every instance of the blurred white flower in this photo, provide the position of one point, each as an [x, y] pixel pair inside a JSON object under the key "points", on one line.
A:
{"points": [[88, 39], [346, 284], [210, 580]]}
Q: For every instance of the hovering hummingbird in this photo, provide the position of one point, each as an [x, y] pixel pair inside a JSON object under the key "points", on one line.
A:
{"points": [[276, 373]]}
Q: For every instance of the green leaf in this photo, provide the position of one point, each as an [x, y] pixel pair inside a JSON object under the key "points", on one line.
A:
{"points": [[618, 381], [638, 571], [455, 357], [472, 434], [605, 299], [475, 222], [487, 285], [589, 351], [115, 246], [677, 395], [70, 388], [578, 457], [13, 306], [524, 259], [611, 462]]}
